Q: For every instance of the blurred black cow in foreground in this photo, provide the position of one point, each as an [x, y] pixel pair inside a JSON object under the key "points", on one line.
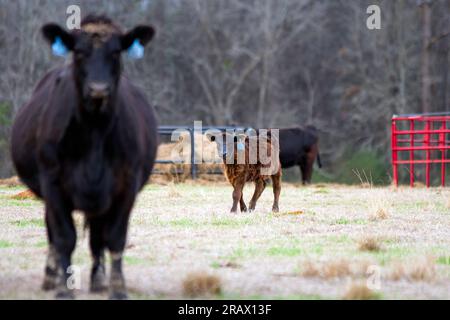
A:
{"points": [[87, 141], [299, 146]]}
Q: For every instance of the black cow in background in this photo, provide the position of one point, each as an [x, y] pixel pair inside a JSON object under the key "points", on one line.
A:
{"points": [[299, 147], [87, 141]]}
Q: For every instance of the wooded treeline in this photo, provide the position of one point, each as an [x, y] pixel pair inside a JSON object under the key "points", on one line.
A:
{"points": [[262, 63]]}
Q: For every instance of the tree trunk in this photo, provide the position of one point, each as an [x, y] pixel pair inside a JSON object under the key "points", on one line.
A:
{"points": [[425, 68]]}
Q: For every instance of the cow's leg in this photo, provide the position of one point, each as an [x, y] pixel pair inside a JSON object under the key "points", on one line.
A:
{"points": [[308, 172], [58, 216], [51, 266], [260, 185], [302, 166], [276, 184], [309, 163], [242, 203], [237, 194], [64, 237], [116, 244], [97, 245], [116, 234]]}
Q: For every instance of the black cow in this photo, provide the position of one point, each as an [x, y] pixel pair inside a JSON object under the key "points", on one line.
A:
{"points": [[299, 146], [87, 141]]}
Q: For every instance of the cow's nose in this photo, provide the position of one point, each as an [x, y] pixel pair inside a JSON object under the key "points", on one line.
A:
{"points": [[98, 89]]}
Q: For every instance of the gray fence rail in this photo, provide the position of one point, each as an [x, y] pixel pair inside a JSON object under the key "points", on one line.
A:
{"points": [[168, 130]]}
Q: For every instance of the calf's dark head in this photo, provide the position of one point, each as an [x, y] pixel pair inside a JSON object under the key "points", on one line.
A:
{"points": [[97, 49]]}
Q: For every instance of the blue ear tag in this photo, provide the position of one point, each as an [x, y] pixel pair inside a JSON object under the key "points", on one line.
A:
{"points": [[136, 50], [240, 146], [58, 48]]}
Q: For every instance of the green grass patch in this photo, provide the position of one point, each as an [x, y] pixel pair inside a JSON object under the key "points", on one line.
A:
{"points": [[81, 258], [40, 244], [441, 208], [236, 296], [243, 252], [12, 188], [348, 221], [274, 251], [416, 205], [390, 254], [29, 223], [284, 251], [152, 187], [5, 244], [184, 222], [215, 222], [391, 241], [362, 166], [321, 191], [8, 202], [443, 260], [341, 221], [230, 222], [339, 239], [317, 249], [131, 260]]}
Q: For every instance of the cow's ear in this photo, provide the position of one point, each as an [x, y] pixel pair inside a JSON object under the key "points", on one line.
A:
{"points": [[53, 33], [141, 33]]}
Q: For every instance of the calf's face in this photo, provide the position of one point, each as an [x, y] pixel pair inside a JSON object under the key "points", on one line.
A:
{"points": [[97, 60], [229, 144]]}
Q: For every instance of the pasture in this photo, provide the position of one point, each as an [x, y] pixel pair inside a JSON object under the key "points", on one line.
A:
{"points": [[319, 246]]}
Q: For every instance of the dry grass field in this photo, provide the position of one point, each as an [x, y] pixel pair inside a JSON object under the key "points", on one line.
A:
{"points": [[327, 242]]}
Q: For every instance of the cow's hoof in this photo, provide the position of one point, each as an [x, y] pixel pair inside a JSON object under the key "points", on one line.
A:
{"points": [[244, 209], [118, 295], [49, 283], [98, 283], [275, 209], [65, 295], [98, 286]]}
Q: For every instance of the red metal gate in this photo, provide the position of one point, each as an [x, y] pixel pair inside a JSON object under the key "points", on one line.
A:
{"points": [[417, 138]]}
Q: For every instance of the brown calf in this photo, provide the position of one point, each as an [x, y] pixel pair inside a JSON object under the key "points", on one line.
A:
{"points": [[244, 163]]}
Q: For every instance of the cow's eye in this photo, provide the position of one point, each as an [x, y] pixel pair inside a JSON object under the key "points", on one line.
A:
{"points": [[116, 54], [79, 54]]}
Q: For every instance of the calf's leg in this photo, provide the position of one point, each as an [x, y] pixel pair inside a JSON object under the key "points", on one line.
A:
{"points": [[237, 194], [276, 183], [242, 203], [260, 185]]}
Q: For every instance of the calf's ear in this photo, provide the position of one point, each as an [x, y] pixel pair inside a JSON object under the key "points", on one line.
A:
{"points": [[214, 135], [52, 32], [141, 33], [210, 137]]}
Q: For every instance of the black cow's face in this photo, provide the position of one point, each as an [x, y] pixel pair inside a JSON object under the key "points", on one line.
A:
{"points": [[97, 61], [97, 69]]}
